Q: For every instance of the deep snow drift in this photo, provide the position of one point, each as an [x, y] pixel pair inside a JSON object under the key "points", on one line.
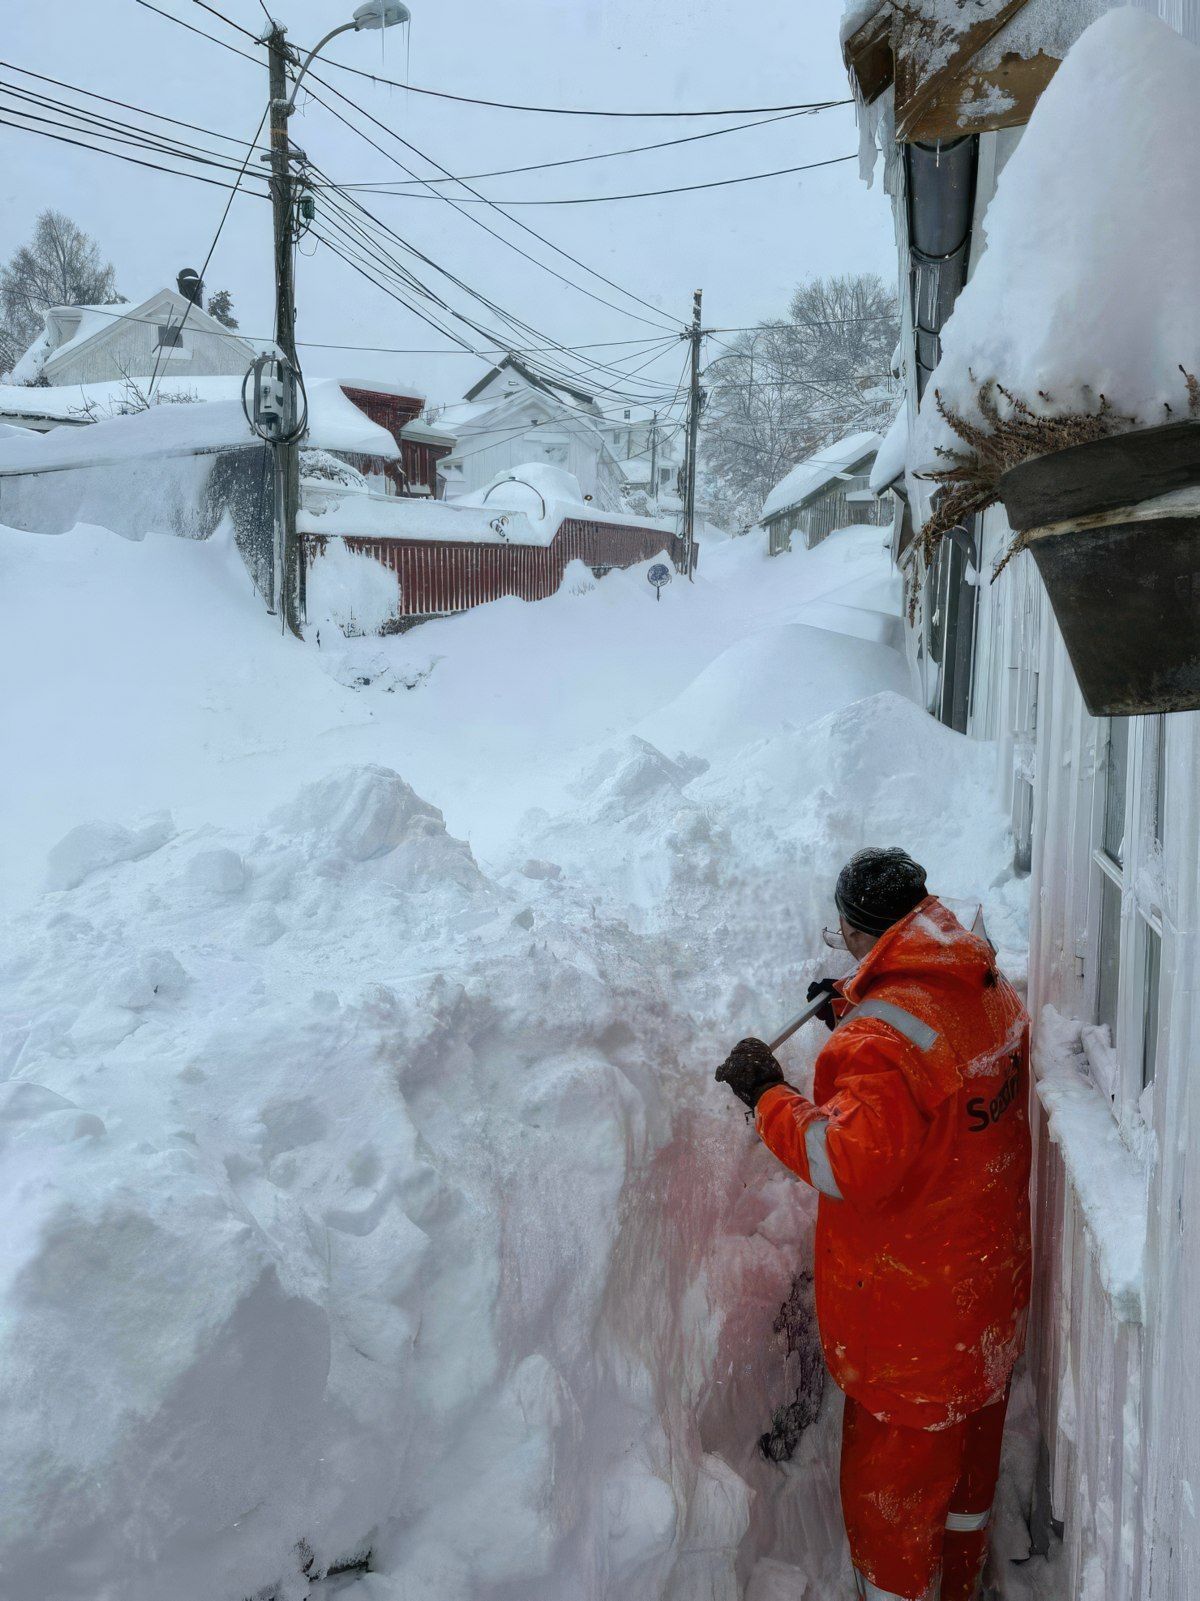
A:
{"points": [[368, 1190]]}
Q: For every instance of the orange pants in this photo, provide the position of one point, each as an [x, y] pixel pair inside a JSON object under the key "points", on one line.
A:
{"points": [[918, 1501]]}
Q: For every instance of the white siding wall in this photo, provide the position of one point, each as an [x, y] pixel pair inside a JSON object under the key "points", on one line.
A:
{"points": [[132, 346], [1119, 1399], [1120, 1404], [571, 446]]}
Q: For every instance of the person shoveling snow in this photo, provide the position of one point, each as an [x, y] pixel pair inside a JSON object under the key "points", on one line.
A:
{"points": [[917, 1138]]}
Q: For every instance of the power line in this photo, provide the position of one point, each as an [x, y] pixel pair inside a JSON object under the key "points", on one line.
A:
{"points": [[379, 259], [499, 349], [228, 21], [98, 126], [457, 204], [250, 149], [136, 161], [451, 277], [575, 161], [125, 105], [148, 5], [642, 194], [577, 111], [557, 111]]}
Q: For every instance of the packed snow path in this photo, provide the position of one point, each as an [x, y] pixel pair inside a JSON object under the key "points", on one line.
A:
{"points": [[367, 1189]]}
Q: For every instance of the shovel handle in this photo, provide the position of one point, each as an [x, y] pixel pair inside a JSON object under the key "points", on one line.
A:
{"points": [[798, 1022]]}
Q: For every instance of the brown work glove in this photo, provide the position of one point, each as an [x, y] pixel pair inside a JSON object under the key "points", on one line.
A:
{"points": [[749, 1070]]}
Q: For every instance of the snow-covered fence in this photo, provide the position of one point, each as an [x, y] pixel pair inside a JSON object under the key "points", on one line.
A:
{"points": [[437, 577]]}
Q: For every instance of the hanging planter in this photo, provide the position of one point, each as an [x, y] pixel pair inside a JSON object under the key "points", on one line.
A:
{"points": [[1111, 514], [1114, 527]]}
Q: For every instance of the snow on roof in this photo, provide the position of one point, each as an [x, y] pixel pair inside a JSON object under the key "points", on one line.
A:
{"points": [[419, 429], [217, 423], [383, 386], [893, 453], [82, 323], [636, 469], [854, 14], [818, 470], [88, 320], [1065, 301], [521, 506]]}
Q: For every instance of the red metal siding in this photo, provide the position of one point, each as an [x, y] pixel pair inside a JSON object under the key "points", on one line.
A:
{"points": [[437, 577], [418, 458]]}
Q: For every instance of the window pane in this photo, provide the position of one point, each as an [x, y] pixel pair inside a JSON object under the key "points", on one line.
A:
{"points": [[1150, 1014], [1114, 786], [1160, 776], [1109, 955]]}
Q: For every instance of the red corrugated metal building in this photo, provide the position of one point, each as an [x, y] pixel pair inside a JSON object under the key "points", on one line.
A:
{"points": [[437, 577], [421, 447]]}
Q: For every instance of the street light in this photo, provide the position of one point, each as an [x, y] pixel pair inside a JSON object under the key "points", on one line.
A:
{"points": [[372, 15]]}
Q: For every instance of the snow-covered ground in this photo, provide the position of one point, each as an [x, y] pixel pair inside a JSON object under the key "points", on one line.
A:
{"points": [[365, 1182]]}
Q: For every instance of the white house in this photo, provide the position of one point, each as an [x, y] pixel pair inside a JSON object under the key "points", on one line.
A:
{"points": [[513, 416], [1104, 809], [650, 450], [166, 335]]}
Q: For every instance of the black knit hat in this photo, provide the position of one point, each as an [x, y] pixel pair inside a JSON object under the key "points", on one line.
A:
{"points": [[877, 887]]}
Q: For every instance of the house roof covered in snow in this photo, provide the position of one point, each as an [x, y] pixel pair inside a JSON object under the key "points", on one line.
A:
{"points": [[216, 423], [811, 476], [959, 68], [68, 329], [513, 365], [893, 454]]}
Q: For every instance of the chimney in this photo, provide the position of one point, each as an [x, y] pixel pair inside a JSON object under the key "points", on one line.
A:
{"points": [[190, 285]]}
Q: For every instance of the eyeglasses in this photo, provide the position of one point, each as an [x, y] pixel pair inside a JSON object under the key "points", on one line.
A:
{"points": [[835, 939]]}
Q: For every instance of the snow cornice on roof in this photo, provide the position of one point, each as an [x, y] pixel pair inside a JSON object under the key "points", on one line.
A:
{"points": [[934, 54], [818, 471]]}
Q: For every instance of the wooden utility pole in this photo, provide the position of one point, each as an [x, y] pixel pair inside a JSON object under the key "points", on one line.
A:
{"points": [[654, 458], [288, 577], [694, 333]]}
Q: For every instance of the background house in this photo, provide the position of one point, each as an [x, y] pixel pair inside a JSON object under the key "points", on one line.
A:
{"points": [[650, 452], [514, 416], [166, 334], [829, 489], [1104, 823]]}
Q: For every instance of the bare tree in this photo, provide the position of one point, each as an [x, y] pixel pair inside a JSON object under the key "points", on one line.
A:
{"points": [[61, 266], [780, 391]]}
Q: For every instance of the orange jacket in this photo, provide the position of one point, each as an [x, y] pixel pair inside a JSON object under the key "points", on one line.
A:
{"points": [[918, 1137]]}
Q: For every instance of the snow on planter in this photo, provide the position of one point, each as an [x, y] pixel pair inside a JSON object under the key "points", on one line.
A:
{"points": [[1087, 284]]}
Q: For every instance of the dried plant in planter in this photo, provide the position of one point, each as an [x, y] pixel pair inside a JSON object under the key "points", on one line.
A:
{"points": [[971, 479]]}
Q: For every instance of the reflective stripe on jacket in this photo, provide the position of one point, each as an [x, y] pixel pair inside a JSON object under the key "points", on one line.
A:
{"points": [[918, 1139]]}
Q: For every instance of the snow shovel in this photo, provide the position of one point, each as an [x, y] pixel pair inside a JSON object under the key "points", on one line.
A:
{"points": [[799, 1021]]}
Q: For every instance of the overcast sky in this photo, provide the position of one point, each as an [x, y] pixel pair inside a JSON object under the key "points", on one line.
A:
{"points": [[746, 246]]}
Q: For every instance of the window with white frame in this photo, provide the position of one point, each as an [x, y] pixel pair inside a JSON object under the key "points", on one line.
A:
{"points": [[1126, 911]]}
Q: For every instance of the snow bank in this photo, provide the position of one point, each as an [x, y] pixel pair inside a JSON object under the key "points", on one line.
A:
{"points": [[356, 593], [1062, 302], [368, 1189]]}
